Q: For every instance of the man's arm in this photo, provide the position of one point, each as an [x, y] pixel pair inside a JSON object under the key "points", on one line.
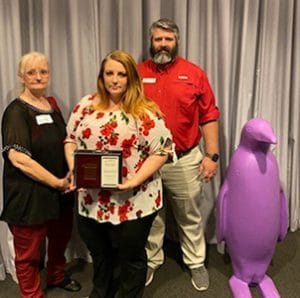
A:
{"points": [[208, 167], [210, 133]]}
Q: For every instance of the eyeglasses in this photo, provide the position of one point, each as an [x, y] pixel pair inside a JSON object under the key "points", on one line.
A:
{"points": [[32, 73]]}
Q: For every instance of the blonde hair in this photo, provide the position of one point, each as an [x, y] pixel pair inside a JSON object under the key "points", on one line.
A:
{"points": [[28, 57], [134, 100]]}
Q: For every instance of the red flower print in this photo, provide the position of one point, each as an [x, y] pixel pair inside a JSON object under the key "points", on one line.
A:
{"points": [[113, 139], [85, 111], [91, 110], [72, 137], [126, 152], [104, 197], [139, 213], [111, 208], [100, 214], [113, 124], [147, 124], [88, 199], [145, 149], [99, 145], [86, 133], [106, 130], [158, 200], [139, 165], [76, 108], [123, 211], [92, 96], [144, 187], [76, 123], [124, 171], [127, 145], [99, 115]]}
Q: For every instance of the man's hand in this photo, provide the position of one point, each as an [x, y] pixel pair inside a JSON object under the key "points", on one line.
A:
{"points": [[207, 169]]}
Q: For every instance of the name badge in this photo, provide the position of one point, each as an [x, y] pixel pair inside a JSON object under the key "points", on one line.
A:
{"points": [[182, 77], [149, 80], [43, 119]]}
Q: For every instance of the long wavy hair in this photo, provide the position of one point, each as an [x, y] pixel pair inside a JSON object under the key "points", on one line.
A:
{"points": [[134, 100]]}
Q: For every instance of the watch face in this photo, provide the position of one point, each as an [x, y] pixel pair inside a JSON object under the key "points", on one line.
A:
{"points": [[215, 157]]}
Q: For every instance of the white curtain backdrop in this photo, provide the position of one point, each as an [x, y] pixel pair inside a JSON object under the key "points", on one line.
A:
{"points": [[250, 50]]}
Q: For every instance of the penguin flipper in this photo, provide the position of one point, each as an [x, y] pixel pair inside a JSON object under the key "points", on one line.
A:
{"points": [[284, 221], [221, 212], [239, 288], [267, 288]]}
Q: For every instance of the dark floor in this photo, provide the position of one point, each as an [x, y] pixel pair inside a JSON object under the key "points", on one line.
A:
{"points": [[173, 281]]}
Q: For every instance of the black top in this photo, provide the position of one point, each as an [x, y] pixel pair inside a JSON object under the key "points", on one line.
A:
{"points": [[40, 135]]}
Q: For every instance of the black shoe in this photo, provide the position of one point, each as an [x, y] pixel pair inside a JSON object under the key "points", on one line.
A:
{"points": [[67, 284]]}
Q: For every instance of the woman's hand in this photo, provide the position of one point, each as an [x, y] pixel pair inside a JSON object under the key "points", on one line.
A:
{"points": [[127, 185], [37, 172], [70, 178], [63, 184], [149, 167]]}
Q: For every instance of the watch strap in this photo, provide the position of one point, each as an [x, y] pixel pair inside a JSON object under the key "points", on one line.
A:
{"points": [[214, 157]]}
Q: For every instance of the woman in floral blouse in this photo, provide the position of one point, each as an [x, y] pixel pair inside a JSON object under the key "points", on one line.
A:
{"points": [[115, 224]]}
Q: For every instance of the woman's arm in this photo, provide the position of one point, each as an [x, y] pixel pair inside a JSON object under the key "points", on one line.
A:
{"points": [[69, 154], [159, 142], [34, 170], [149, 167]]}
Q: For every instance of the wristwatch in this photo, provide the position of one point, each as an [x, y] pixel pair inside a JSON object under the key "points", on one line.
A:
{"points": [[214, 157]]}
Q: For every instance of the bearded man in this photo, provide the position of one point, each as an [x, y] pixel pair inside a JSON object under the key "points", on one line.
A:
{"points": [[182, 91]]}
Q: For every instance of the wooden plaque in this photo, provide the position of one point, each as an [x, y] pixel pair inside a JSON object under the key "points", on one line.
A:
{"points": [[98, 169]]}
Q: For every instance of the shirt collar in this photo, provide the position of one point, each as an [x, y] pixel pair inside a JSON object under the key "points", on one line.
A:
{"points": [[167, 67]]}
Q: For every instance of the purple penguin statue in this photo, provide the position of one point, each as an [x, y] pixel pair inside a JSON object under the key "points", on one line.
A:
{"points": [[252, 213]]}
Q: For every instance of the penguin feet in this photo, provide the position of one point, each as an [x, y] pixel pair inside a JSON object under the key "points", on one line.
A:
{"points": [[267, 288], [239, 288]]}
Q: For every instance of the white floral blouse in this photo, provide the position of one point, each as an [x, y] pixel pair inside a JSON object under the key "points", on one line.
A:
{"points": [[137, 138]]}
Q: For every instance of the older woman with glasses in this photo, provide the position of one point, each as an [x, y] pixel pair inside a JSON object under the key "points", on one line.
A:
{"points": [[36, 182]]}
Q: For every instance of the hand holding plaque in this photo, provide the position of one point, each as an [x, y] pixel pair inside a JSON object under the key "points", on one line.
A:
{"points": [[98, 169]]}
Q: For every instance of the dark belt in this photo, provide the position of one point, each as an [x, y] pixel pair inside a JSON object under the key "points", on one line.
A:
{"points": [[183, 153]]}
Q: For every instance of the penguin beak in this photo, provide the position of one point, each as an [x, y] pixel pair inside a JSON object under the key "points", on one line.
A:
{"points": [[273, 140], [268, 138]]}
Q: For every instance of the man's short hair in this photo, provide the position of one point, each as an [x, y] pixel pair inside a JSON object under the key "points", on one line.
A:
{"points": [[165, 24]]}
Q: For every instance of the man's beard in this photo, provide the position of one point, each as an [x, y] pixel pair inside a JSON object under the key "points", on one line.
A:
{"points": [[163, 55]]}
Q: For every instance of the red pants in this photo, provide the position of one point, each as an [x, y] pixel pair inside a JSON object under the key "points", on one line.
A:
{"points": [[28, 241]]}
